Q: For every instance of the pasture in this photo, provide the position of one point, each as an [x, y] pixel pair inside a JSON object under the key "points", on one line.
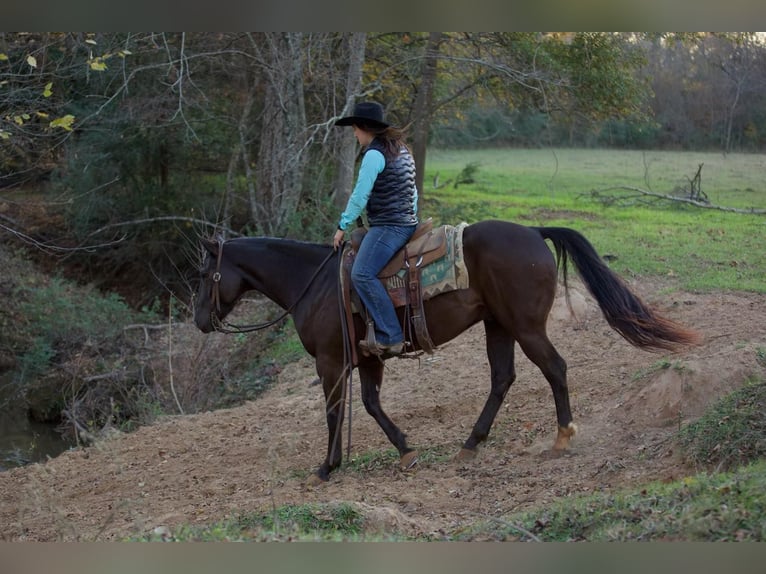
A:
{"points": [[701, 249]]}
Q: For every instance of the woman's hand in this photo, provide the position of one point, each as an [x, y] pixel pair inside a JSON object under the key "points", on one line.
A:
{"points": [[337, 239]]}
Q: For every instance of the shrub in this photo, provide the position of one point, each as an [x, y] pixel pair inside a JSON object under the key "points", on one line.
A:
{"points": [[732, 432]]}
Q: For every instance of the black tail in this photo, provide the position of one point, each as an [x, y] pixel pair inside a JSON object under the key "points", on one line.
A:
{"points": [[622, 309]]}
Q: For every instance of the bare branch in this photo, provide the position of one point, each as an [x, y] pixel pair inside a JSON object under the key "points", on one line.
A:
{"points": [[598, 194], [193, 220], [52, 248]]}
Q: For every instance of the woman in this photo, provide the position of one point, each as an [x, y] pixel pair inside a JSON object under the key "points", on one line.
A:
{"points": [[385, 187]]}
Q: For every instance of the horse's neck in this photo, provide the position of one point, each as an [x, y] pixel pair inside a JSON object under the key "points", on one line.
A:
{"points": [[280, 268]]}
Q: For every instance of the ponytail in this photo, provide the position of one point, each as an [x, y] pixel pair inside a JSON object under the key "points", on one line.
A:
{"points": [[393, 140]]}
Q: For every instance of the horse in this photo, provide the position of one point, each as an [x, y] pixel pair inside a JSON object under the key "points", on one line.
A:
{"points": [[513, 278]]}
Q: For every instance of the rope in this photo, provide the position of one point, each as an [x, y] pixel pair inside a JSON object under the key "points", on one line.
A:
{"points": [[347, 352]]}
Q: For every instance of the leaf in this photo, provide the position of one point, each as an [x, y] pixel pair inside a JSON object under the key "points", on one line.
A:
{"points": [[32, 61], [4, 135], [3, 57], [42, 115], [89, 41], [98, 65], [19, 120], [64, 122], [48, 92]]}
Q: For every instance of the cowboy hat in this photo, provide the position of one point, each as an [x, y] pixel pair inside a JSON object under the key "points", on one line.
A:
{"points": [[365, 114]]}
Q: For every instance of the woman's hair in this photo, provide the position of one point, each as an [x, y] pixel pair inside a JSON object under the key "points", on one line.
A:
{"points": [[392, 138]]}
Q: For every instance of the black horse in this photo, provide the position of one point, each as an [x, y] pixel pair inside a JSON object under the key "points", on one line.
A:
{"points": [[513, 277]]}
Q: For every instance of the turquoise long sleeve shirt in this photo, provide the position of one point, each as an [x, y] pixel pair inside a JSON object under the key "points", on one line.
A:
{"points": [[373, 163]]}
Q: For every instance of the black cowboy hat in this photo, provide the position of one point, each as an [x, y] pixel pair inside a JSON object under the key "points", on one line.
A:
{"points": [[365, 114]]}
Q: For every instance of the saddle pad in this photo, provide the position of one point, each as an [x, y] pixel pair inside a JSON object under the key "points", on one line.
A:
{"points": [[447, 273]]}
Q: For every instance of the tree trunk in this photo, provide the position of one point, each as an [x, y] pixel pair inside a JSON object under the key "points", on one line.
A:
{"points": [[281, 157], [344, 180], [423, 107], [239, 152]]}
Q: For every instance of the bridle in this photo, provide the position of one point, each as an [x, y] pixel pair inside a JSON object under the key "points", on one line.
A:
{"points": [[225, 326]]}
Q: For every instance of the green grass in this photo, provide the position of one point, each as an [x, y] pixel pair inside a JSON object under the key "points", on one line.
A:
{"points": [[303, 522], [377, 459], [716, 507], [700, 249], [732, 432], [661, 365]]}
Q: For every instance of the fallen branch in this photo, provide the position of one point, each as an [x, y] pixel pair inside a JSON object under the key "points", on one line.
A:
{"points": [[597, 194]]}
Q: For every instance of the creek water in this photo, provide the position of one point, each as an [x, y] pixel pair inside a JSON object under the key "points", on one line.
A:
{"points": [[23, 441]]}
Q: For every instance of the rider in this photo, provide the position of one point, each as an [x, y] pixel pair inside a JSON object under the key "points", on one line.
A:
{"points": [[386, 187]]}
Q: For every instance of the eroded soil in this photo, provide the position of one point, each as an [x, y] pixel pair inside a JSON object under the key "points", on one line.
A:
{"points": [[198, 469]]}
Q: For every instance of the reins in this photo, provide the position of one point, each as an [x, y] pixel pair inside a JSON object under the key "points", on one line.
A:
{"points": [[348, 366], [225, 326]]}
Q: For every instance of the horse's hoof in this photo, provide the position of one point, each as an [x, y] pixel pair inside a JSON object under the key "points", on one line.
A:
{"points": [[408, 460], [563, 436], [315, 480], [465, 454]]}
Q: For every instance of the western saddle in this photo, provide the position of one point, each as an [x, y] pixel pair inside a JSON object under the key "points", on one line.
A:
{"points": [[425, 246]]}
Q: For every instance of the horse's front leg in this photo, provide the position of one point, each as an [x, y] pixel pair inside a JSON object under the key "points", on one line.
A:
{"points": [[371, 377], [334, 386]]}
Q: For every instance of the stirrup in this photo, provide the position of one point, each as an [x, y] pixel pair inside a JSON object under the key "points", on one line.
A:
{"points": [[373, 348]]}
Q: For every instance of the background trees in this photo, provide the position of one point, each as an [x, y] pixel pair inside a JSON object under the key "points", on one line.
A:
{"points": [[144, 139]]}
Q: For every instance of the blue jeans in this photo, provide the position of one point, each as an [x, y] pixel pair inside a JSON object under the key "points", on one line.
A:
{"points": [[378, 247]]}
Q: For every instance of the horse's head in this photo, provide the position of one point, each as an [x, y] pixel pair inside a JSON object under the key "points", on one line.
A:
{"points": [[219, 288]]}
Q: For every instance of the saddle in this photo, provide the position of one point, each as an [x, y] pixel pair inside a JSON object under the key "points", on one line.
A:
{"points": [[425, 246]]}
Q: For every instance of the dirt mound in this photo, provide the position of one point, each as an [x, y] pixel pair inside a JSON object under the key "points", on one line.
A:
{"points": [[201, 468]]}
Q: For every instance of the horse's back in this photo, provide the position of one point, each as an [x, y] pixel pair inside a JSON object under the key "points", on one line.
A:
{"points": [[504, 244]]}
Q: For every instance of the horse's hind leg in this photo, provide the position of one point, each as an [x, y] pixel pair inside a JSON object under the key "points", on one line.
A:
{"points": [[500, 352], [541, 352], [371, 376]]}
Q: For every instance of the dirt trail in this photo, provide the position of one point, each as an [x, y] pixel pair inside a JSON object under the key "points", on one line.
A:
{"points": [[199, 469]]}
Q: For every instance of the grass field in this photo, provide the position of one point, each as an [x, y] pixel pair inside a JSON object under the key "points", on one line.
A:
{"points": [[702, 249]]}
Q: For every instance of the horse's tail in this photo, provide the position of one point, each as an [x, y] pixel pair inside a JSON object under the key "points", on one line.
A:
{"points": [[622, 309]]}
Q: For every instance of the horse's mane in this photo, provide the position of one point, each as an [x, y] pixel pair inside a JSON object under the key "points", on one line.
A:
{"points": [[279, 241]]}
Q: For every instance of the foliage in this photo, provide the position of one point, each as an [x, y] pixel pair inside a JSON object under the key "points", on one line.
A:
{"points": [[305, 522], [702, 508], [131, 130], [63, 333], [732, 432]]}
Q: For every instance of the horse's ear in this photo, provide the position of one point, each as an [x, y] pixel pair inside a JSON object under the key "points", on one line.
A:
{"points": [[210, 245]]}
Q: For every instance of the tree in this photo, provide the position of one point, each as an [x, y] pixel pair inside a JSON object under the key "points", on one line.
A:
{"points": [[735, 56], [423, 105], [38, 72], [345, 177], [282, 150]]}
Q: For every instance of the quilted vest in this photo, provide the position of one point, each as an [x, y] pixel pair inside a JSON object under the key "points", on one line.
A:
{"points": [[392, 201]]}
